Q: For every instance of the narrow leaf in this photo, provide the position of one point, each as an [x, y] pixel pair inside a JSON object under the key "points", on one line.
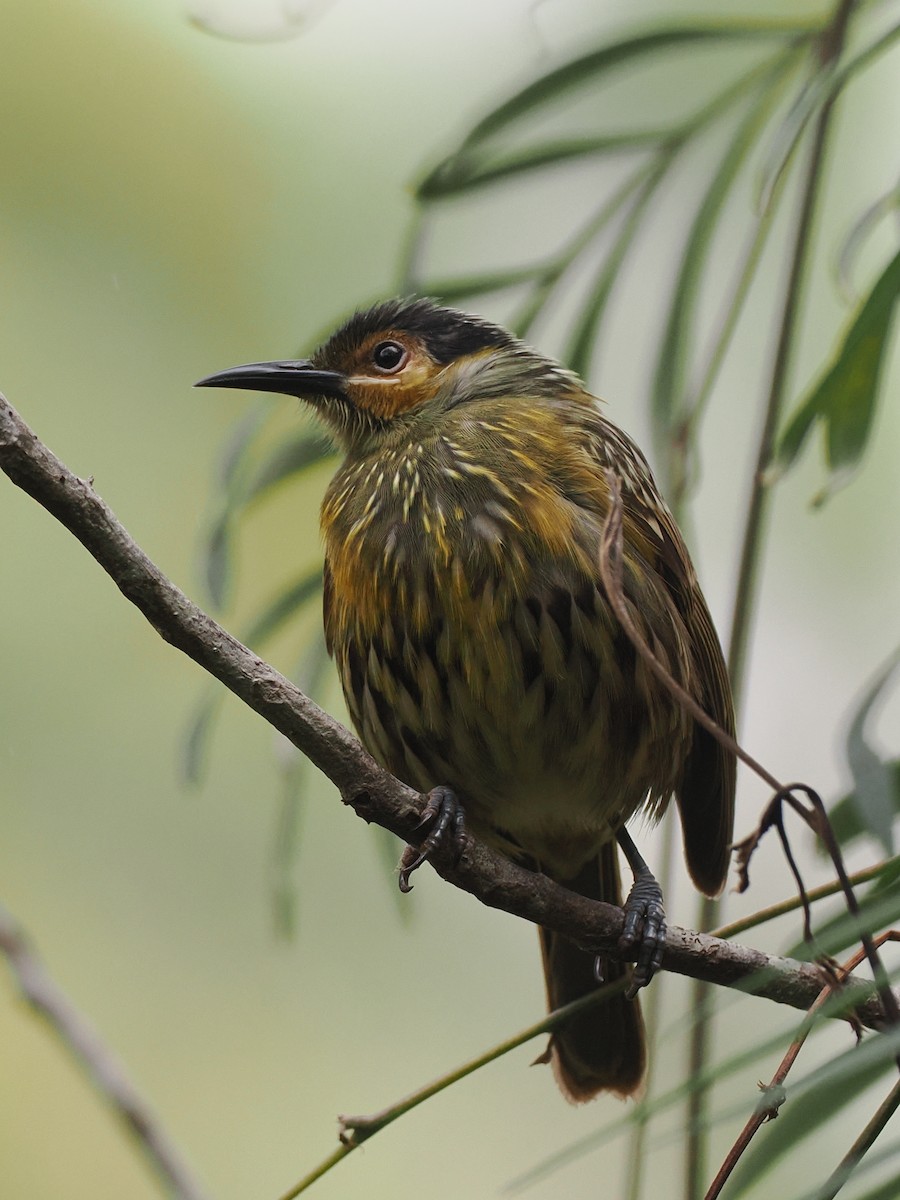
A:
{"points": [[296, 454], [217, 565], [266, 624], [453, 290], [238, 446], [790, 132], [647, 175], [845, 396], [872, 777], [879, 909], [468, 169], [859, 232], [196, 738], [645, 1110], [675, 347], [598, 63], [283, 607], [873, 1161], [887, 1190], [294, 770], [388, 848], [845, 815], [816, 1099], [583, 342], [216, 554], [292, 767]]}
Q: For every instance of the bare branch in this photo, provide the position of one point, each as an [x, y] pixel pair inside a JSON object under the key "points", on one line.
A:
{"points": [[107, 1075], [372, 793]]}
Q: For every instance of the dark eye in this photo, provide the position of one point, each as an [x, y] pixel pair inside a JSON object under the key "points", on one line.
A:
{"points": [[389, 356]]}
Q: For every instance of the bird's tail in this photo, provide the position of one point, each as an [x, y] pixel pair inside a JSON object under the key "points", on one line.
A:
{"points": [[604, 1050]]}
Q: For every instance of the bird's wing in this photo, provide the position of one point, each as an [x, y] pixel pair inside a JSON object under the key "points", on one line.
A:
{"points": [[705, 796]]}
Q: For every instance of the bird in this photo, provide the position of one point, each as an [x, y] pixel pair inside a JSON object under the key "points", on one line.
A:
{"points": [[481, 661]]}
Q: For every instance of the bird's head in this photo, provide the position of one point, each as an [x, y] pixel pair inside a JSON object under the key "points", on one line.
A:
{"points": [[400, 365]]}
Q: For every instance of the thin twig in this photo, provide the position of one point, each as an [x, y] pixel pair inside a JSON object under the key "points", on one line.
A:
{"points": [[831, 45], [773, 1094], [340, 1151], [611, 574], [772, 911], [826, 833], [815, 817], [45, 997], [354, 1131], [862, 1145]]}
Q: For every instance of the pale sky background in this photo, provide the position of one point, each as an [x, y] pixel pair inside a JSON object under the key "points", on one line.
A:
{"points": [[173, 203]]}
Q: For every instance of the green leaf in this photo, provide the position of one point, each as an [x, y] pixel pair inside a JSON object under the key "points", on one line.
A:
{"points": [[865, 58], [388, 848], [887, 1190], [859, 232], [873, 1162], [197, 734], [284, 845], [635, 185], [649, 1108], [294, 768], [293, 456], [879, 909], [676, 344], [817, 1098], [265, 625], [469, 169], [283, 607], [238, 446], [875, 797], [583, 341], [217, 566], [478, 162], [451, 291], [304, 449], [845, 396], [845, 815], [790, 132], [598, 63]]}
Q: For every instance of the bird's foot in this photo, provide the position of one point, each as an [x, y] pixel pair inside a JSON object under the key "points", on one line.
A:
{"points": [[644, 931], [444, 819]]}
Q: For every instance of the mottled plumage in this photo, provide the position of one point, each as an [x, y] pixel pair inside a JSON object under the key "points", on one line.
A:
{"points": [[467, 618]]}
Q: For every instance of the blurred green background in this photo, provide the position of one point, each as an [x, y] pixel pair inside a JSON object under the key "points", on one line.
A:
{"points": [[174, 202]]}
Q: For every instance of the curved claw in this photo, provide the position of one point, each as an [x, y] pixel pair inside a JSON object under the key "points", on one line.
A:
{"points": [[410, 860], [443, 816]]}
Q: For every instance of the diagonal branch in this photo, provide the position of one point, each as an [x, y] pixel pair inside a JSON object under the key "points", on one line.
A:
{"points": [[47, 999], [370, 791]]}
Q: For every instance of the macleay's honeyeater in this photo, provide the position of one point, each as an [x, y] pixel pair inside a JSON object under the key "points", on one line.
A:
{"points": [[479, 657]]}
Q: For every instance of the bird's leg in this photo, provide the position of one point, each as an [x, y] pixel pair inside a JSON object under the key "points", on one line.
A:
{"points": [[645, 918], [444, 818]]}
